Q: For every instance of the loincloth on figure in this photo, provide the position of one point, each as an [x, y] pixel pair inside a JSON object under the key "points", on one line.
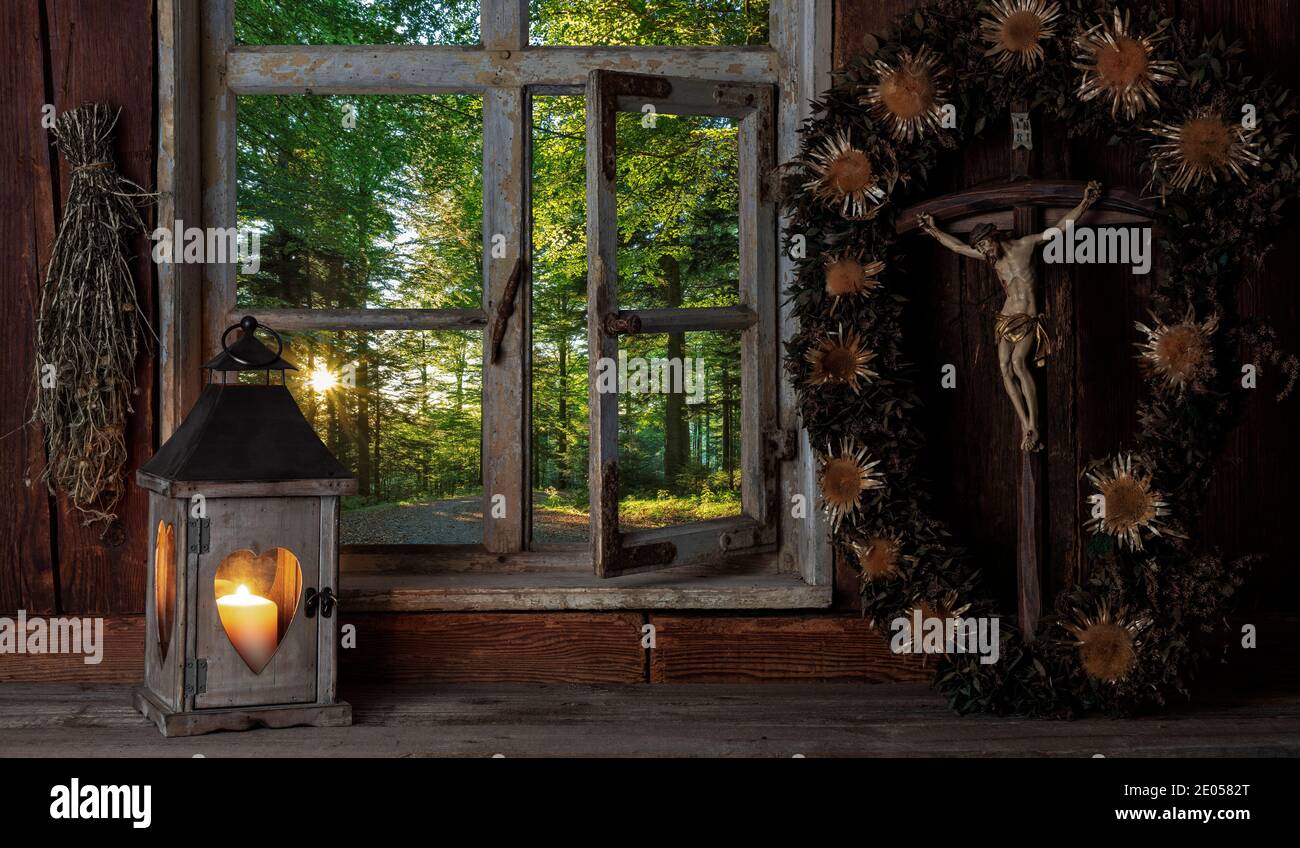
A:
{"points": [[1019, 326]]}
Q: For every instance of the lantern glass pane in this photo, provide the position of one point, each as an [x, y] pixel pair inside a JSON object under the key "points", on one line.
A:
{"points": [[257, 598], [164, 584]]}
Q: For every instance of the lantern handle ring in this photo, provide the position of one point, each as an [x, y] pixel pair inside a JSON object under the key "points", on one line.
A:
{"points": [[250, 325]]}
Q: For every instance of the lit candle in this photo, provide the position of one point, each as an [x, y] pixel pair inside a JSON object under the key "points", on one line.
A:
{"points": [[250, 622]]}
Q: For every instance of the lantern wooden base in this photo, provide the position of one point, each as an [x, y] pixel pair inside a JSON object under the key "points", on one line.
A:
{"points": [[172, 723]]}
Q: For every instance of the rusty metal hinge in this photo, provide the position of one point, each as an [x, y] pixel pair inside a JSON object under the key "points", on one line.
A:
{"points": [[196, 677], [506, 308], [199, 538], [621, 324]]}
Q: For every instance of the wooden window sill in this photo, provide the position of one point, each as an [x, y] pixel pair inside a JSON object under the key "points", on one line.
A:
{"points": [[415, 579]]}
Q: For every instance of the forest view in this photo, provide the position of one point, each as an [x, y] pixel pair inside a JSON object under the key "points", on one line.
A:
{"points": [[376, 201]]}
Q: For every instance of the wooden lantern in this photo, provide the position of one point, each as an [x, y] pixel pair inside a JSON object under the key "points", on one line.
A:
{"points": [[241, 629]]}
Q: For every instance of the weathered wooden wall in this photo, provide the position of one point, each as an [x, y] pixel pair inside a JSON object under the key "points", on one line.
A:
{"points": [[67, 52]]}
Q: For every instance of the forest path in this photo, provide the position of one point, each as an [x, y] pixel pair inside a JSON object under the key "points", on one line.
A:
{"points": [[455, 521]]}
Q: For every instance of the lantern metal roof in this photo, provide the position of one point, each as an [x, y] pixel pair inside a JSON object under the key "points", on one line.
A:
{"points": [[244, 439]]}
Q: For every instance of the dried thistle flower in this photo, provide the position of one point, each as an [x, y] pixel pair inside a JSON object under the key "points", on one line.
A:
{"points": [[1118, 64], [1016, 30], [843, 477], [908, 95], [840, 359], [1108, 642], [1203, 146], [879, 557], [1129, 504], [1180, 354], [845, 177], [848, 273]]}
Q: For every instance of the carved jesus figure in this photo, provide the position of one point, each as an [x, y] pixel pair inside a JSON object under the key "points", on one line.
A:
{"points": [[1019, 327]]}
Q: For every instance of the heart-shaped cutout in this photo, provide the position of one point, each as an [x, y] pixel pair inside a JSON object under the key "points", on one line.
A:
{"points": [[164, 584], [257, 598]]}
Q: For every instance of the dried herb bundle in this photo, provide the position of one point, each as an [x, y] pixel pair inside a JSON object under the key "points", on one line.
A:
{"points": [[88, 330]]}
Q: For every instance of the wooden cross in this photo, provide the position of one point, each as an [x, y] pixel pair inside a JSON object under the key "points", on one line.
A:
{"points": [[1018, 205]]}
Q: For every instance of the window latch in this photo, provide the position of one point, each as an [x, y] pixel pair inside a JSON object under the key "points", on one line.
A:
{"points": [[325, 599], [505, 309]]}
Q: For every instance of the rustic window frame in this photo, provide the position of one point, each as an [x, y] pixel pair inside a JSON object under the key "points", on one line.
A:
{"points": [[202, 71], [751, 105]]}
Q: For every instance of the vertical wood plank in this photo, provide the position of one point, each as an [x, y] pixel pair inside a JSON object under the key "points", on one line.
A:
{"points": [[27, 575], [102, 52], [855, 19], [759, 356], [218, 123], [328, 649], [1029, 508], [801, 32], [602, 300], [505, 382], [180, 330], [1061, 527]]}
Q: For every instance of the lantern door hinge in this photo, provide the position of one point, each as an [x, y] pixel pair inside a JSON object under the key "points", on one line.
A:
{"points": [[196, 677], [199, 538]]}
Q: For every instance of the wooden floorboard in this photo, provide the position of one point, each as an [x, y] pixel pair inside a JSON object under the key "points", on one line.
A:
{"points": [[62, 720]]}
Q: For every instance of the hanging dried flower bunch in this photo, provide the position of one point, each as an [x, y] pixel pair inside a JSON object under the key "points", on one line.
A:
{"points": [[1119, 65], [1204, 146], [1016, 30], [1178, 355], [1107, 641], [908, 95], [88, 330]]}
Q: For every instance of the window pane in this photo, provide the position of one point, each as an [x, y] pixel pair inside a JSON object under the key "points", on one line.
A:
{"points": [[559, 446], [621, 22], [678, 211], [361, 201], [678, 428], [403, 411], [357, 21]]}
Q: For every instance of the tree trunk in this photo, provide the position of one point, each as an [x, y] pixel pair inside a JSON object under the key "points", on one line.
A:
{"points": [[363, 417], [562, 427], [676, 446]]}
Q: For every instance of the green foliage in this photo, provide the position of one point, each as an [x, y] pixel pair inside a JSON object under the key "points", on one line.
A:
{"points": [[376, 201], [1211, 234]]}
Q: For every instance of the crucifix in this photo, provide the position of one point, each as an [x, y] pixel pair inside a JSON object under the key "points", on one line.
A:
{"points": [[1005, 230]]}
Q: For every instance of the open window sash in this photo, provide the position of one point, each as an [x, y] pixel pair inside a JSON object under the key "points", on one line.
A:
{"points": [[615, 552]]}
